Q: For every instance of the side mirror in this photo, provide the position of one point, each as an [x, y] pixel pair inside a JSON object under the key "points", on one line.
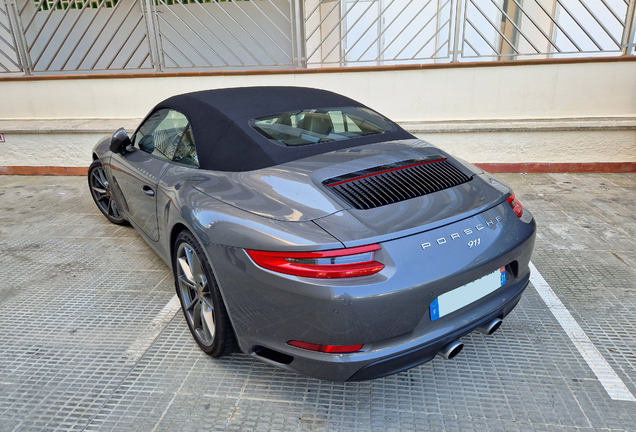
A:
{"points": [[119, 141]]}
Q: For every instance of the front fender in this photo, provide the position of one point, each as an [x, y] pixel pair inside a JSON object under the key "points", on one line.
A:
{"points": [[102, 148]]}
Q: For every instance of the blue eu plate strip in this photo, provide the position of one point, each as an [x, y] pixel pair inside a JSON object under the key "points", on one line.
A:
{"points": [[434, 310]]}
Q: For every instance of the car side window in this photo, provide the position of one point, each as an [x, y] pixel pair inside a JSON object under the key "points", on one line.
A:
{"points": [[162, 133], [186, 152]]}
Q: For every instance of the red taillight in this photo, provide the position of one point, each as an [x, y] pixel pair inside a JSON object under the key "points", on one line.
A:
{"points": [[515, 204], [326, 348], [340, 263]]}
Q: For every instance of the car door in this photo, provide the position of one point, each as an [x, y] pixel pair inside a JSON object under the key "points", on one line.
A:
{"points": [[137, 172]]}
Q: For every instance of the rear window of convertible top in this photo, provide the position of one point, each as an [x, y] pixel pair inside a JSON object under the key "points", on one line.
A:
{"points": [[313, 126]]}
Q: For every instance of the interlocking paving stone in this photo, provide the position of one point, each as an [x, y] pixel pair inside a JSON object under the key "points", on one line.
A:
{"points": [[76, 292]]}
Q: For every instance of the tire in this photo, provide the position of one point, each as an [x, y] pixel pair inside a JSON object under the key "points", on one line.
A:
{"points": [[102, 193], [200, 297]]}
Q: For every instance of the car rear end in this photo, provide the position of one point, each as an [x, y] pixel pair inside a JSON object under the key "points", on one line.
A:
{"points": [[432, 250]]}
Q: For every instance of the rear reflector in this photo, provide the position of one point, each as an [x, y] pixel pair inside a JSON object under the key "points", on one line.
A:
{"points": [[339, 263], [515, 204], [326, 348]]}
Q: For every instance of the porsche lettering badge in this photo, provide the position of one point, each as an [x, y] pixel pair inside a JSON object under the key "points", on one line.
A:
{"points": [[466, 232]]}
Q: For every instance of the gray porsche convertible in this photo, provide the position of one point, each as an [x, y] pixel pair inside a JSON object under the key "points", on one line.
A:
{"points": [[314, 234]]}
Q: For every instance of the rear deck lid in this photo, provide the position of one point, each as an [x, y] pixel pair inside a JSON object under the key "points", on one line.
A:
{"points": [[360, 192], [405, 197]]}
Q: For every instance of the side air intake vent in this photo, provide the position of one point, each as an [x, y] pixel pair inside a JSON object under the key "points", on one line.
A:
{"points": [[396, 182]]}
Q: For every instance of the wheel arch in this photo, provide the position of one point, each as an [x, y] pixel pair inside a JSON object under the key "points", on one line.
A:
{"points": [[176, 230]]}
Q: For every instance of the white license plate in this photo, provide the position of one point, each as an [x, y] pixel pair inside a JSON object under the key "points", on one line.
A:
{"points": [[464, 295]]}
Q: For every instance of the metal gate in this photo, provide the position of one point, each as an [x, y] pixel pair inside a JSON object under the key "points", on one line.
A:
{"points": [[518, 29], [9, 61], [374, 32], [68, 36], [83, 35], [204, 34]]}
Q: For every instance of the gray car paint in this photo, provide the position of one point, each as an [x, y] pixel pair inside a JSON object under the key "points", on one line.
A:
{"points": [[138, 176], [388, 311]]}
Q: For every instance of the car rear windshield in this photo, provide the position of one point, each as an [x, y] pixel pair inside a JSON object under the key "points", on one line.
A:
{"points": [[321, 125]]}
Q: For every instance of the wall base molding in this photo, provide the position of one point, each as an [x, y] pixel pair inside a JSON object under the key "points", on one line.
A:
{"points": [[528, 167], [43, 170], [521, 125], [547, 167]]}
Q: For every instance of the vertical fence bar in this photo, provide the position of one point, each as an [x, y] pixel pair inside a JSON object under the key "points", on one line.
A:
{"points": [[24, 58], [152, 30], [458, 26], [627, 42], [298, 29]]}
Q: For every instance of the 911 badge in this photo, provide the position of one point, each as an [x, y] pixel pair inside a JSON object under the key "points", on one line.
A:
{"points": [[466, 232], [474, 243]]}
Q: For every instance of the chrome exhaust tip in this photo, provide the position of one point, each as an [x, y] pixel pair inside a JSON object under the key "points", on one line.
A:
{"points": [[490, 327], [450, 350]]}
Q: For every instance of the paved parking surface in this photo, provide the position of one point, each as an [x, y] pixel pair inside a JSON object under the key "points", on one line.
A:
{"points": [[90, 337]]}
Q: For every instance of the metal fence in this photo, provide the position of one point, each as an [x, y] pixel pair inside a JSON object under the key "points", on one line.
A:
{"points": [[83, 36]]}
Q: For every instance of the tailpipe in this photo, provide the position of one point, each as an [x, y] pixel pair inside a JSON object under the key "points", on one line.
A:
{"points": [[490, 327], [450, 350]]}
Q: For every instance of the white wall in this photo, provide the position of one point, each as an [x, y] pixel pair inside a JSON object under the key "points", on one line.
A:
{"points": [[570, 146], [596, 93]]}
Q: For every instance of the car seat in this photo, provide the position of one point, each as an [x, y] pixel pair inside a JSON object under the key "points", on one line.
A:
{"points": [[147, 143], [318, 123]]}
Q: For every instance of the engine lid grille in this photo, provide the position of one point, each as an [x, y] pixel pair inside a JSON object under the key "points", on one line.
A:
{"points": [[388, 184]]}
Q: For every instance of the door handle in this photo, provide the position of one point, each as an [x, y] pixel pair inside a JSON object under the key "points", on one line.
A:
{"points": [[148, 191]]}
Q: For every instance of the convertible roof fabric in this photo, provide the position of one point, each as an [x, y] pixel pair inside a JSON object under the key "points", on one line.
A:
{"points": [[226, 142]]}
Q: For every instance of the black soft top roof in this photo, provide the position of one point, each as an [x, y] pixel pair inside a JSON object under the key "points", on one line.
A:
{"points": [[226, 142]]}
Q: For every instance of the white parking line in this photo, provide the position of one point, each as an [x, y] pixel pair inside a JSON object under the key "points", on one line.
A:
{"points": [[612, 383], [148, 335]]}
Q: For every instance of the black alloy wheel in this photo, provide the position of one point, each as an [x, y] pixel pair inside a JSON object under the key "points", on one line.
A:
{"points": [[102, 193], [200, 297]]}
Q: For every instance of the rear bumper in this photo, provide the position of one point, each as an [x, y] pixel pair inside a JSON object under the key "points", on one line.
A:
{"points": [[393, 356], [387, 312]]}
